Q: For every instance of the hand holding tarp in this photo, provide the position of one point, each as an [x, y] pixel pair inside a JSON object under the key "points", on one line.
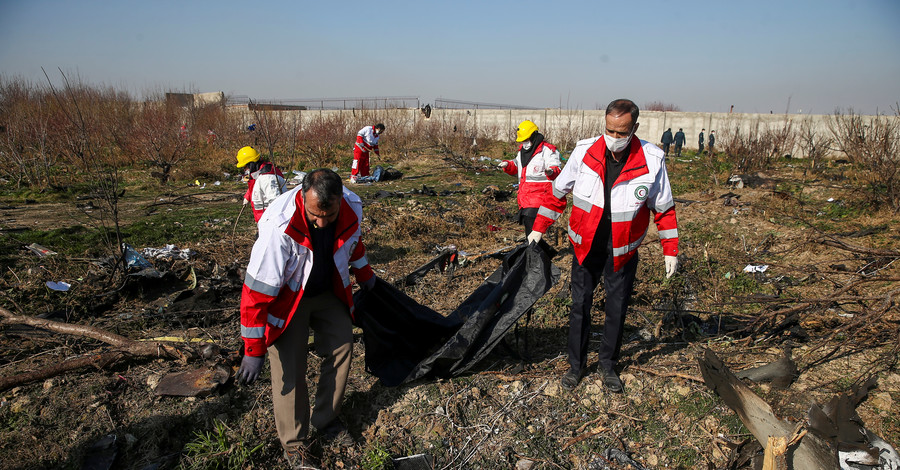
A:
{"points": [[534, 237], [250, 368], [502, 164], [369, 284]]}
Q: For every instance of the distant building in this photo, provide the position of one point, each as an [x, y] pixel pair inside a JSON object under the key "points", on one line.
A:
{"points": [[187, 100]]}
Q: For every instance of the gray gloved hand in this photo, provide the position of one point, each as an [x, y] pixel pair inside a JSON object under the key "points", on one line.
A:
{"points": [[250, 369], [503, 164], [368, 285], [535, 237]]}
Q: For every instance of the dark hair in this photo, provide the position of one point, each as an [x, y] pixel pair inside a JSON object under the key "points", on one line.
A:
{"points": [[621, 106], [379, 126], [327, 185]]}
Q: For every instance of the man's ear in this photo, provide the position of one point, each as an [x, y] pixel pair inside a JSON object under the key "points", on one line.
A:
{"points": [[636, 125]]}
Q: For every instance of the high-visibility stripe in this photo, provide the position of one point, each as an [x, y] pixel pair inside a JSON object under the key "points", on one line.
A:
{"points": [[260, 286], [574, 236], [537, 179], [671, 233], [275, 321], [582, 203], [360, 263], [665, 206], [294, 285], [627, 249], [623, 216], [548, 213], [345, 280], [558, 194], [253, 331]]}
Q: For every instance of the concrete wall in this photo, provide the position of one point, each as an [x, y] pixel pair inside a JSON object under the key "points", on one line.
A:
{"points": [[565, 127]]}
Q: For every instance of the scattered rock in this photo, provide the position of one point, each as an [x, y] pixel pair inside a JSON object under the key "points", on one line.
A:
{"points": [[524, 464], [552, 389]]}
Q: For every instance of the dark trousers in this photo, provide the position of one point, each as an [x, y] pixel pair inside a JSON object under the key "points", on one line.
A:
{"points": [[666, 149], [701, 148], [678, 150], [618, 287]]}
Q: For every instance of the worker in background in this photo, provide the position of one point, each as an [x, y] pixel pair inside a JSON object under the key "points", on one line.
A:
{"points": [[266, 182], [366, 141], [679, 141], [298, 278], [667, 140], [618, 182], [536, 166]]}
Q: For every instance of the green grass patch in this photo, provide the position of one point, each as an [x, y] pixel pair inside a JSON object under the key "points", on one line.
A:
{"points": [[376, 457], [217, 449]]}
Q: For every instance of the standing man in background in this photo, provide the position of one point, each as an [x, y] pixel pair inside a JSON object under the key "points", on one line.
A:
{"points": [[679, 141], [701, 142], [617, 183], [666, 140], [536, 166], [712, 141], [366, 140]]}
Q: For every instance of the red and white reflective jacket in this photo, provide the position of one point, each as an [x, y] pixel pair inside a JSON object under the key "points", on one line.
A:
{"points": [[642, 187], [535, 188], [281, 262], [366, 139], [264, 186]]}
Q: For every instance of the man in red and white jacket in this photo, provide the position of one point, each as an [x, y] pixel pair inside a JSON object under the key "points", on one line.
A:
{"points": [[536, 166], [366, 141], [299, 277], [616, 183]]}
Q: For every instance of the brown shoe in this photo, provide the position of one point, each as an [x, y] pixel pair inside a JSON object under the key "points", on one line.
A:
{"points": [[299, 458]]}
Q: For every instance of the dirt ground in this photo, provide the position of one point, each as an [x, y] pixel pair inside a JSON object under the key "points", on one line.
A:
{"points": [[828, 293]]}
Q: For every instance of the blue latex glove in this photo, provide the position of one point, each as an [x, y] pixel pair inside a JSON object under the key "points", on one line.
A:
{"points": [[250, 368], [368, 285]]}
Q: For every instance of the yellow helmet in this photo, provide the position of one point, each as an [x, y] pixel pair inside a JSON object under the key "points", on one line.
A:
{"points": [[246, 155], [526, 128]]}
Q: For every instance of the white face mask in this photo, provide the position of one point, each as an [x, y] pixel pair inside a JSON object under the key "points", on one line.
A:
{"points": [[617, 145], [526, 145]]}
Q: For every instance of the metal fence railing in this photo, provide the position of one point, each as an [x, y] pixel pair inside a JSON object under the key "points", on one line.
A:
{"points": [[375, 102], [441, 103]]}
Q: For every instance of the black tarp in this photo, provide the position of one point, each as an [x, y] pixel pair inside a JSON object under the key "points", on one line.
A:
{"points": [[405, 341]]}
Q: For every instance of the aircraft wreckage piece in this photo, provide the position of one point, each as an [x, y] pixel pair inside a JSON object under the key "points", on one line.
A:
{"points": [[837, 437], [192, 383], [810, 453]]}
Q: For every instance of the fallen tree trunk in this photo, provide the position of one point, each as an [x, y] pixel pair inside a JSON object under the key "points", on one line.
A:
{"points": [[96, 360], [124, 347]]}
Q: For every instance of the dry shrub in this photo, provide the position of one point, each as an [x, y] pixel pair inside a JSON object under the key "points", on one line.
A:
{"points": [[25, 122], [815, 145], [873, 144], [660, 106], [158, 138], [320, 139], [758, 148]]}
